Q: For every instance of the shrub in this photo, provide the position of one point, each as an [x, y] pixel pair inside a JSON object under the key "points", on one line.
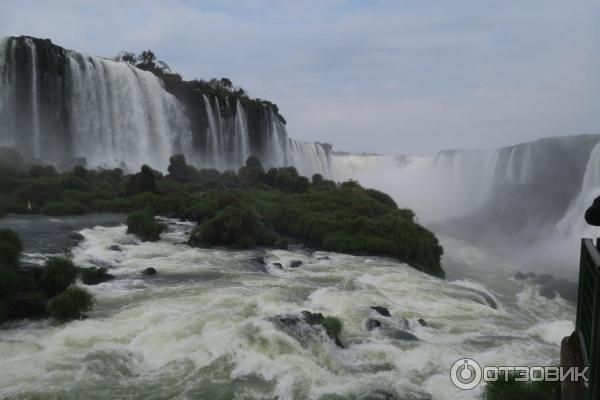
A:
{"points": [[59, 273], [74, 182], [234, 226], [41, 191], [143, 181], [67, 207], [10, 249], [510, 389], [180, 171], [70, 304], [381, 197], [317, 179], [254, 162], [142, 224]]}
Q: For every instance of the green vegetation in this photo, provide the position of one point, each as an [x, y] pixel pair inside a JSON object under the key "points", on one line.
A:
{"points": [[510, 389], [70, 304], [143, 224], [59, 273], [37, 293], [333, 326], [174, 82], [244, 209]]}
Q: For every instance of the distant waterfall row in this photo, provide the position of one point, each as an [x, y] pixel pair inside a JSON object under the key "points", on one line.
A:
{"points": [[61, 106], [229, 140], [528, 184]]}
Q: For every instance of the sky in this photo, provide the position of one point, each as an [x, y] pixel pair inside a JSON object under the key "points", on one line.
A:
{"points": [[391, 77]]}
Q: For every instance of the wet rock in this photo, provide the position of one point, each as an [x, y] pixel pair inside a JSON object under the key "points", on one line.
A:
{"points": [[399, 334], [404, 324], [149, 271], [380, 394], [76, 236], [258, 264], [95, 276], [322, 258], [531, 275], [544, 279], [381, 310], [562, 287], [295, 263], [115, 247], [278, 265], [520, 276], [371, 324], [548, 292], [101, 264], [422, 322], [319, 319], [312, 318]]}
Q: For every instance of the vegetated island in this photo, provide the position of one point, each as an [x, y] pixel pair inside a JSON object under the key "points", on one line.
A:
{"points": [[244, 209]]}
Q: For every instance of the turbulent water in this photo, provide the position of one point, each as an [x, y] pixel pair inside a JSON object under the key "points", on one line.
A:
{"points": [[206, 327], [209, 325]]}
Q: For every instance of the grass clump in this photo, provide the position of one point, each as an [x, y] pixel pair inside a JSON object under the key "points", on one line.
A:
{"points": [[510, 389], [59, 273], [143, 225], [70, 304]]}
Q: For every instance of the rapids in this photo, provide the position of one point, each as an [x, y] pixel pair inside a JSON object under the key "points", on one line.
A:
{"points": [[204, 327]]}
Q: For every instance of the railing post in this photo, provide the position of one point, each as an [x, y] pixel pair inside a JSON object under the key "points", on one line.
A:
{"points": [[594, 372]]}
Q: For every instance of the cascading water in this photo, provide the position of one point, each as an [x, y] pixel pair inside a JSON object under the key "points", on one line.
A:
{"points": [[121, 114], [59, 105]]}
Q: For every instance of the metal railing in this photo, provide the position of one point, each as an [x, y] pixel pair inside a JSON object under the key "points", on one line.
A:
{"points": [[587, 324]]}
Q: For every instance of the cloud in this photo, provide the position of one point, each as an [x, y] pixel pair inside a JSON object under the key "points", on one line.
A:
{"points": [[383, 76]]}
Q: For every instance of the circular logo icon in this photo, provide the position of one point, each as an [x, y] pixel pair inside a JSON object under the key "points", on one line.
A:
{"points": [[465, 374]]}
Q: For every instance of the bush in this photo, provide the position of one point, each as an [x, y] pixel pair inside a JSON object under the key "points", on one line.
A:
{"points": [[95, 275], [70, 304], [381, 197], [59, 273], [234, 226], [254, 162], [143, 181], [510, 389], [41, 191], [10, 249], [143, 225], [58, 208], [180, 171]]}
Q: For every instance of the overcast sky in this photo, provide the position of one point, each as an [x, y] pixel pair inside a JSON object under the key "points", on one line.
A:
{"points": [[376, 76]]}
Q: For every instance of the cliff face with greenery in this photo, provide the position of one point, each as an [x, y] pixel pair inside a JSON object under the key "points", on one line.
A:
{"points": [[249, 208]]}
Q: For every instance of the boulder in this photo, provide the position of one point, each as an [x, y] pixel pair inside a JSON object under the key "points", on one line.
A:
{"points": [[95, 276], [520, 276], [422, 322], [76, 236], [278, 265], [399, 334], [381, 310], [371, 324], [115, 247], [295, 263], [149, 271]]}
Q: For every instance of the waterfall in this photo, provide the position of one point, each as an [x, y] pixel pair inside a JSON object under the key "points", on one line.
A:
{"points": [[62, 106], [34, 99], [213, 147], [121, 114], [242, 141]]}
